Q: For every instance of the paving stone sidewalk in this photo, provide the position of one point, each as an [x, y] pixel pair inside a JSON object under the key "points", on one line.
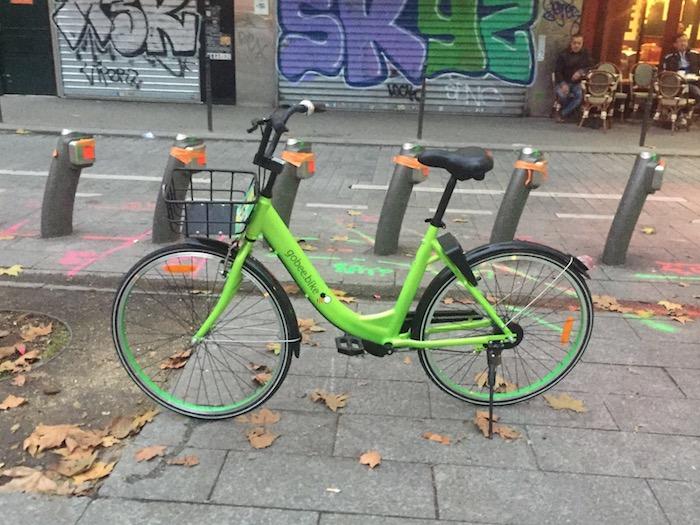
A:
{"points": [[633, 457]]}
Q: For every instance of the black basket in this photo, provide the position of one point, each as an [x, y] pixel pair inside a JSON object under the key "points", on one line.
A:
{"points": [[210, 203]]}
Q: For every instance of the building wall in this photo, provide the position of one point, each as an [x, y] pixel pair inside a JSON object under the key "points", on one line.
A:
{"points": [[255, 48], [557, 21]]}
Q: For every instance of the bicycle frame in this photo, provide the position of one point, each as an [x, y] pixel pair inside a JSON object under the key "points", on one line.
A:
{"points": [[382, 328]]}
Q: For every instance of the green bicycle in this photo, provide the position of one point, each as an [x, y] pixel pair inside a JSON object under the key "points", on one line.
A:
{"points": [[204, 329]]}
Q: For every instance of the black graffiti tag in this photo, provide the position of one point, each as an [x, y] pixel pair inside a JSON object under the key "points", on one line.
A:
{"points": [[129, 28], [97, 73], [560, 12], [404, 91]]}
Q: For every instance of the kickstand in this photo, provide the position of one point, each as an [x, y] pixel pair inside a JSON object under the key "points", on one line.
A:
{"points": [[493, 359]]}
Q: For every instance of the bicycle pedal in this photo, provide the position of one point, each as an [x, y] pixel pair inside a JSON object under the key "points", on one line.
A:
{"points": [[349, 345]]}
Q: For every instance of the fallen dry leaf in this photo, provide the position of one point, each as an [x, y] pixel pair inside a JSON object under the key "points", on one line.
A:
{"points": [[377, 297], [27, 479], [354, 213], [262, 378], [185, 461], [407, 360], [7, 351], [177, 360], [30, 333], [644, 314], [98, 471], [307, 246], [334, 490], [12, 271], [123, 426], [565, 402], [671, 308], [4, 333], [610, 303], [71, 466], [502, 385], [343, 297], [148, 453], [19, 380], [332, 401], [371, 458], [481, 420], [649, 230], [339, 238], [432, 436], [12, 402], [681, 318], [309, 325], [291, 289], [259, 437], [14, 428], [276, 348], [459, 220]]}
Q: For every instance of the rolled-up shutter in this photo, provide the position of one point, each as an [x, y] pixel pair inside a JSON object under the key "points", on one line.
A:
{"points": [[483, 69], [138, 50]]}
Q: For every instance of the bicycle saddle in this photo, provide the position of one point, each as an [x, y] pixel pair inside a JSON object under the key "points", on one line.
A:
{"points": [[464, 164]]}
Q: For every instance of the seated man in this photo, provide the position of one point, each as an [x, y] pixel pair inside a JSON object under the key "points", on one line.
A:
{"points": [[684, 61], [571, 67]]}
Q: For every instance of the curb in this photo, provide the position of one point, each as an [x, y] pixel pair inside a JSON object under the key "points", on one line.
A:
{"points": [[349, 141]]}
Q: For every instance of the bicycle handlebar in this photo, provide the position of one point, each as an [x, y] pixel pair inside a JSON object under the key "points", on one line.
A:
{"points": [[277, 121]]}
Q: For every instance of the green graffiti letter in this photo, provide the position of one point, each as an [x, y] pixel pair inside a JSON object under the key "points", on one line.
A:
{"points": [[506, 35], [454, 42]]}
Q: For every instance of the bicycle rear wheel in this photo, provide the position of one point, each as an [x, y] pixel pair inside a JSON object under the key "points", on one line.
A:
{"points": [[162, 302], [542, 299]]}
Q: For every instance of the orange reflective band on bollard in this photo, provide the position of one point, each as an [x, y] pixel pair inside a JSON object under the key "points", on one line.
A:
{"points": [[81, 152], [297, 158], [411, 162], [531, 168], [188, 155]]}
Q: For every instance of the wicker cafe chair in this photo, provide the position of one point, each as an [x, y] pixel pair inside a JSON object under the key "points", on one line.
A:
{"points": [[620, 97], [641, 88], [599, 95], [672, 96]]}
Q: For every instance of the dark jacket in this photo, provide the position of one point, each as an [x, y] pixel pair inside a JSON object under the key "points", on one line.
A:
{"points": [[672, 62], [569, 63]]}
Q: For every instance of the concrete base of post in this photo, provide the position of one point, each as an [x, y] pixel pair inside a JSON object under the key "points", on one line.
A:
{"points": [[395, 203], [187, 152], [61, 185], [643, 181], [515, 198]]}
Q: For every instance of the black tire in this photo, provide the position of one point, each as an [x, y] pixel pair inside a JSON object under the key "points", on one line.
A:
{"points": [[263, 287], [478, 260]]}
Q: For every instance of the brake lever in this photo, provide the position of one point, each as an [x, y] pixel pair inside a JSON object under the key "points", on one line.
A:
{"points": [[256, 122]]}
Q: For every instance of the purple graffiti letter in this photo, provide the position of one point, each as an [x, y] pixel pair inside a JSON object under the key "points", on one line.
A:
{"points": [[311, 39], [373, 34]]}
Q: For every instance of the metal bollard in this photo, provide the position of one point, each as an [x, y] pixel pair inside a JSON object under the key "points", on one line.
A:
{"points": [[187, 152], [646, 178], [73, 152], [407, 172], [300, 164], [530, 173]]}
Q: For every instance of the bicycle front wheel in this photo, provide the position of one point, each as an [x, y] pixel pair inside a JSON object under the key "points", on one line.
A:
{"points": [[163, 301], [542, 299]]}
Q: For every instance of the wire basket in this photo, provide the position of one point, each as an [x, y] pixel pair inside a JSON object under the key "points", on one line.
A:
{"points": [[210, 203]]}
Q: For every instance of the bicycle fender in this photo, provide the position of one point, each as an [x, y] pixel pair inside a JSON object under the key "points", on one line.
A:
{"points": [[564, 258], [295, 334]]}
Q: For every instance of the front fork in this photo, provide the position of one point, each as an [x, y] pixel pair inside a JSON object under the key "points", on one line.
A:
{"points": [[233, 282]]}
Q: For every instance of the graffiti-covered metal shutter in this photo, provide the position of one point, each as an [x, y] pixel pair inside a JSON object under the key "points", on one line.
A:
{"points": [[144, 49], [362, 54]]}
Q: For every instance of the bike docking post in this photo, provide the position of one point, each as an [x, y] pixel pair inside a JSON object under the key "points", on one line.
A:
{"points": [[300, 164], [530, 173], [73, 152], [186, 153], [407, 173], [646, 178]]}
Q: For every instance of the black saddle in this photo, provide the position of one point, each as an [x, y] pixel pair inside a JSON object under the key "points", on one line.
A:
{"points": [[464, 164]]}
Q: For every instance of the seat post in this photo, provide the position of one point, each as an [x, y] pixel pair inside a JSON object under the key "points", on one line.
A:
{"points": [[444, 201]]}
